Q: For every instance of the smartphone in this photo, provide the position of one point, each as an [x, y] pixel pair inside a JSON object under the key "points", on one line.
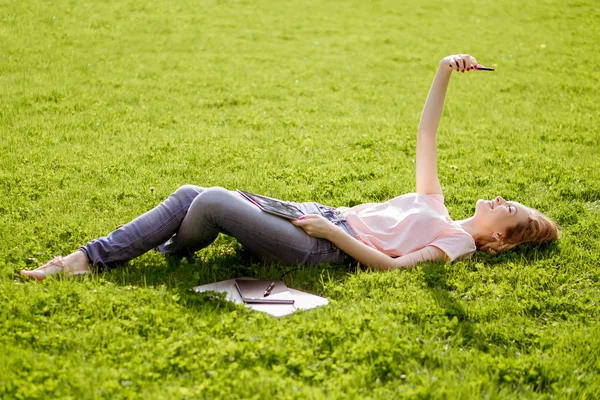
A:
{"points": [[480, 68]]}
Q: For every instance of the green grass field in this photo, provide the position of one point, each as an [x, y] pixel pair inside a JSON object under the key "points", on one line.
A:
{"points": [[106, 107]]}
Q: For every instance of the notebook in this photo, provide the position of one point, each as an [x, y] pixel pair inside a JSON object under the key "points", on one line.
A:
{"points": [[302, 300], [253, 292], [273, 206]]}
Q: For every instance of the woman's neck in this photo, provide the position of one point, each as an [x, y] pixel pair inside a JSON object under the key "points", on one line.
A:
{"points": [[471, 227]]}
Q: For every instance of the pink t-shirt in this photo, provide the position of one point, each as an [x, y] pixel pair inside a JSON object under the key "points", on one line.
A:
{"points": [[409, 223]]}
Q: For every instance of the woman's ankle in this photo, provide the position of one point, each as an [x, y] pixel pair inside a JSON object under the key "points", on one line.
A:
{"points": [[77, 261]]}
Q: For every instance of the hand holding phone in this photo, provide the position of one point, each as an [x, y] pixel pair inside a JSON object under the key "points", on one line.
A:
{"points": [[479, 67], [463, 63]]}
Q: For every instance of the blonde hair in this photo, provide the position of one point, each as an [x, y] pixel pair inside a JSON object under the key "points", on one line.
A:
{"points": [[538, 229]]}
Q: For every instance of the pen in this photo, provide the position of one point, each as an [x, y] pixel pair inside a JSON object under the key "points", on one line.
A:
{"points": [[269, 289]]}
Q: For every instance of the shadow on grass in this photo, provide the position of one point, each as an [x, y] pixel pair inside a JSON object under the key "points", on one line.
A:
{"points": [[215, 264], [436, 278], [228, 260]]}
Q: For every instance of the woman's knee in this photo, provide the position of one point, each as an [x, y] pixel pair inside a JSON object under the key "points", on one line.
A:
{"points": [[187, 191], [213, 200]]}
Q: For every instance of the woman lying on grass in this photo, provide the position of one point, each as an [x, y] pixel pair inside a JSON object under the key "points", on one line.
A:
{"points": [[399, 233]]}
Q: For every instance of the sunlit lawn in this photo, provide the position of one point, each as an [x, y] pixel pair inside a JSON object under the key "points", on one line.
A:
{"points": [[107, 107]]}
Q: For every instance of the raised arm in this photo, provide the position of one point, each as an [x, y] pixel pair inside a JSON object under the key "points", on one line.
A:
{"points": [[426, 159]]}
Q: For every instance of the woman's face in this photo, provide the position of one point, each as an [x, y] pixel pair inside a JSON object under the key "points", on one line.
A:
{"points": [[498, 215]]}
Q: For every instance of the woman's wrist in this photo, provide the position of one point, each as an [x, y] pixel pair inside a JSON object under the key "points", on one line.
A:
{"points": [[445, 67], [334, 233]]}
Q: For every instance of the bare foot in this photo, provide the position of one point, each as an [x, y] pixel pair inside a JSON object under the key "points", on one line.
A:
{"points": [[73, 264]]}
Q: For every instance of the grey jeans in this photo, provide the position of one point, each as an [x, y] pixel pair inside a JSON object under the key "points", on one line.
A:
{"points": [[192, 218]]}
